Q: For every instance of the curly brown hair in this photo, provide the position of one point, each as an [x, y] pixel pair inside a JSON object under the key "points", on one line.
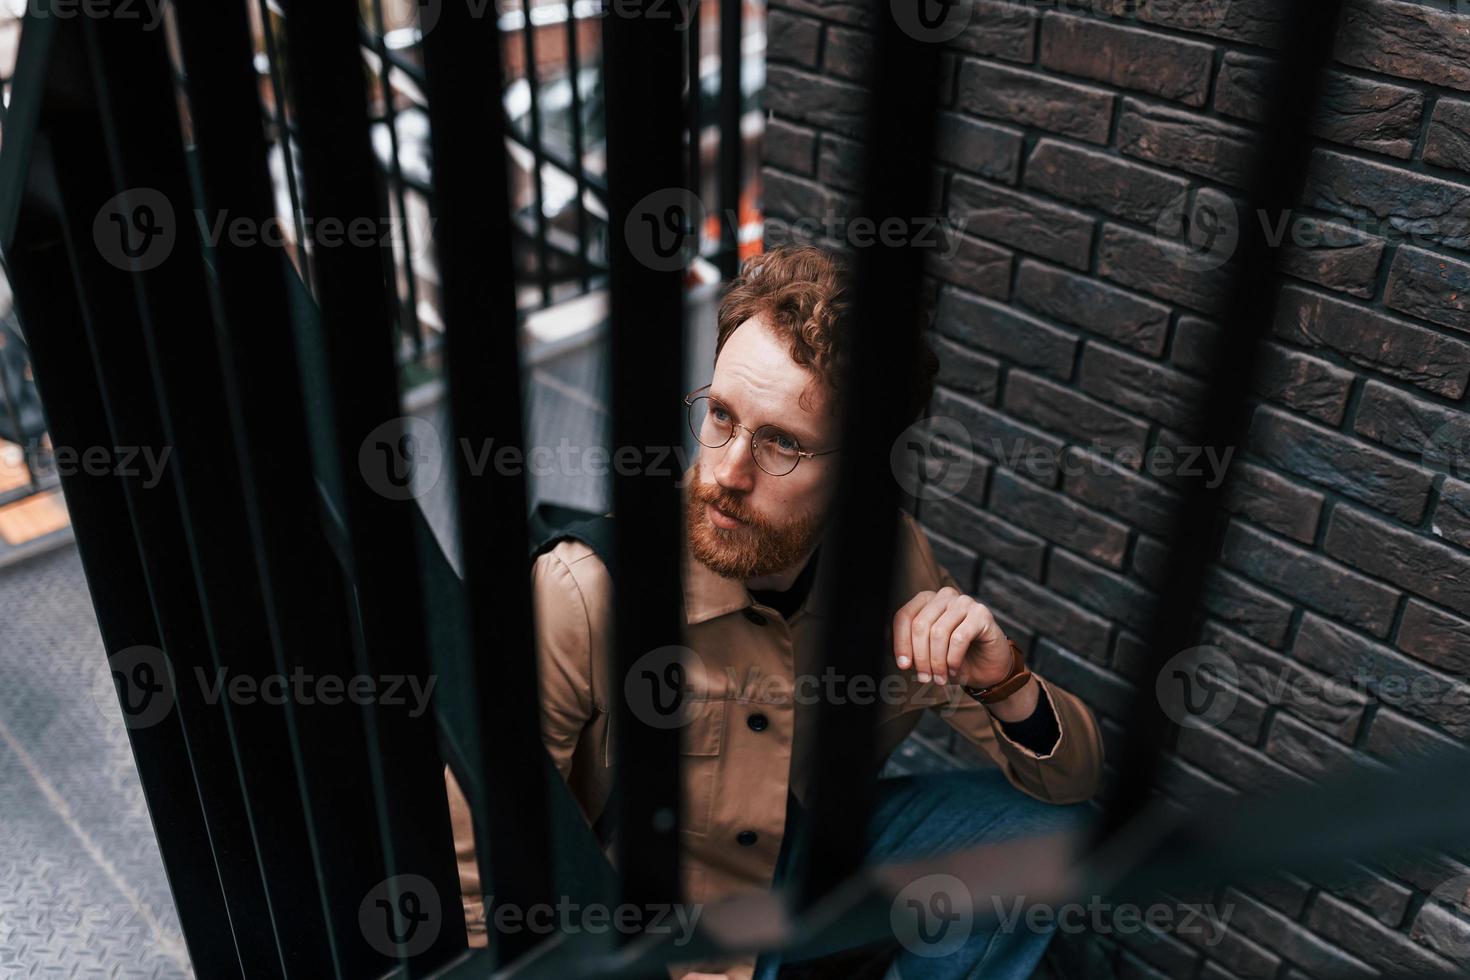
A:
{"points": [[802, 293]]}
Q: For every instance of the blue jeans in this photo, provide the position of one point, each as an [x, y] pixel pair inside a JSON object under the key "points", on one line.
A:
{"points": [[931, 814]]}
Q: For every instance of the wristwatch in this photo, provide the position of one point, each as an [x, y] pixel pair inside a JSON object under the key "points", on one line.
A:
{"points": [[1006, 686]]}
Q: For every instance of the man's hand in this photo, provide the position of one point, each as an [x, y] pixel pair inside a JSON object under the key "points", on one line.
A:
{"points": [[948, 637]]}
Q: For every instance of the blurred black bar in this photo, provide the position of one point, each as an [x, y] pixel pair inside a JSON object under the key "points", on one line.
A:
{"points": [[732, 36], [304, 599], [359, 383], [137, 101], [282, 122], [643, 61], [694, 110], [861, 542], [472, 227], [1307, 38]]}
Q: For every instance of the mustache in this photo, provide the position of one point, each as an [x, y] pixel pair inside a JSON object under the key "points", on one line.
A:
{"points": [[725, 502]]}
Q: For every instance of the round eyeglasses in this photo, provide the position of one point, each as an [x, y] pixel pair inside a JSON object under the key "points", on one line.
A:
{"points": [[775, 451]]}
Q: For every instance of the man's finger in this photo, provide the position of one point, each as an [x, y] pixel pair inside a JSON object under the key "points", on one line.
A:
{"points": [[924, 621], [940, 638], [903, 642]]}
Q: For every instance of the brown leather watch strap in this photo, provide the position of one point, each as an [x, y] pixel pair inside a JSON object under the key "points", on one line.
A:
{"points": [[1008, 685]]}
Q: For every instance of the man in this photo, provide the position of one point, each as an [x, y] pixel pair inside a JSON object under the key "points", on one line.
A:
{"points": [[757, 500]]}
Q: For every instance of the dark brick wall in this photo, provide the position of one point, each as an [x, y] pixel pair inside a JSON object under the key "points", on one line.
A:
{"points": [[1074, 327]]}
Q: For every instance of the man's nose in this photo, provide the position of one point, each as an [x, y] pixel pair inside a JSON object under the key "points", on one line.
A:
{"points": [[735, 467]]}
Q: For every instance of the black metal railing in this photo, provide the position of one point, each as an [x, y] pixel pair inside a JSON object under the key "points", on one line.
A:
{"points": [[287, 828]]}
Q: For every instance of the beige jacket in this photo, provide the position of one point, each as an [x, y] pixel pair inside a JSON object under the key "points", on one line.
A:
{"points": [[735, 777]]}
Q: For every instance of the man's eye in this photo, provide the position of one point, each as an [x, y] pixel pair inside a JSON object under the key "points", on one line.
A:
{"points": [[785, 443], [719, 414]]}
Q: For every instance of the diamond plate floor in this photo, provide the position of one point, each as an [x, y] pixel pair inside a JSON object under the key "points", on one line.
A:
{"points": [[82, 890]]}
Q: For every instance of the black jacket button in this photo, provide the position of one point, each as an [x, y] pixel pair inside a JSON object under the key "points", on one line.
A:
{"points": [[758, 722], [746, 838], [755, 617]]}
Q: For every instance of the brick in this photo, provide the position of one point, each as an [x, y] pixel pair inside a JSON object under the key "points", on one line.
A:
{"points": [[1444, 931], [1052, 616], [1274, 502], [791, 39], [1426, 870], [1451, 518], [1058, 519], [1195, 345], [1448, 142], [789, 197], [848, 54], [1250, 21], [1106, 486], [1310, 578], [981, 148], [1401, 421], [1255, 612], [1306, 751], [1161, 268], [1369, 940], [999, 29], [1435, 637], [1293, 941], [790, 147], [1107, 311], [1232, 954], [1394, 347], [1316, 388], [1127, 57], [1388, 200], [1007, 333], [1103, 181], [840, 162], [1366, 113], [1426, 567], [1384, 899], [1034, 99], [960, 561], [977, 266], [1150, 561], [989, 536], [1409, 40], [1234, 763], [964, 370], [1396, 738], [1022, 221], [1328, 704], [1393, 678], [1102, 591], [1018, 447], [1186, 141], [1141, 386], [1341, 463], [1063, 410], [1429, 286], [1332, 254], [811, 98]]}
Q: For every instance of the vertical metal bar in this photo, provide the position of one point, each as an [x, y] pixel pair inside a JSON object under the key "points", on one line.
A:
{"points": [[732, 34], [1285, 145], [115, 574], [361, 387], [105, 293], [283, 126], [472, 228], [304, 606], [543, 269], [885, 281], [644, 62], [579, 165]]}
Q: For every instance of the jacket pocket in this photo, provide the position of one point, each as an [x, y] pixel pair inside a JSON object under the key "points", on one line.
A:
{"points": [[700, 744]]}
